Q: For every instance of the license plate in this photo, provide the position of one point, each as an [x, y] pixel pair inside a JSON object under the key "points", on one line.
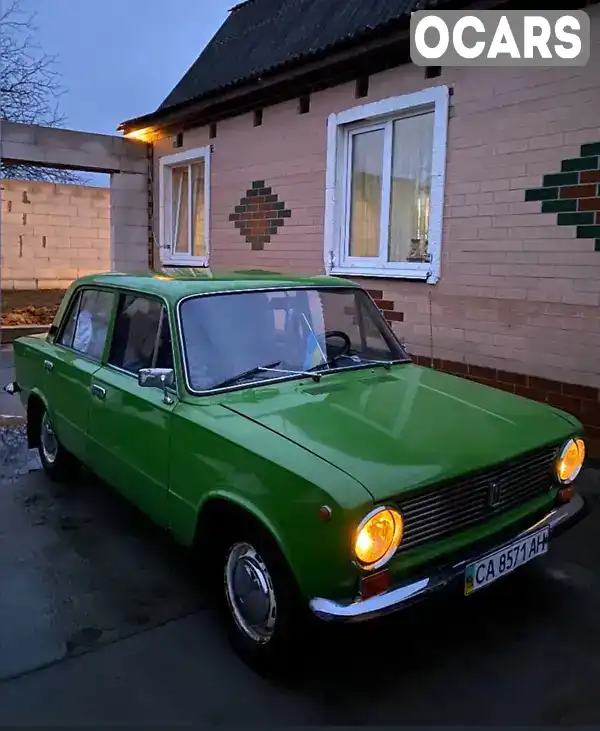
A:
{"points": [[484, 572]]}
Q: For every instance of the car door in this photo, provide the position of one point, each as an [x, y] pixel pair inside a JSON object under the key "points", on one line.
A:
{"points": [[71, 363], [129, 425]]}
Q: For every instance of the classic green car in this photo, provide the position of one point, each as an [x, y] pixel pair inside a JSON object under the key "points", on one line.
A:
{"points": [[278, 427]]}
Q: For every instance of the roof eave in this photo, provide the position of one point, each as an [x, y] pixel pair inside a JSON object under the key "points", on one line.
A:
{"points": [[241, 87]]}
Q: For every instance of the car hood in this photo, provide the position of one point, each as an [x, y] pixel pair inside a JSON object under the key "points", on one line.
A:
{"points": [[404, 428]]}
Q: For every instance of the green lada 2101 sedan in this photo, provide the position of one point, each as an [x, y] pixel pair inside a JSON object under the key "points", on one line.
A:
{"points": [[277, 426]]}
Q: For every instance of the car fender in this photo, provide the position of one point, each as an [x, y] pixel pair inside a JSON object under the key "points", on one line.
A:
{"points": [[35, 391], [245, 505], [335, 573], [309, 506], [569, 418]]}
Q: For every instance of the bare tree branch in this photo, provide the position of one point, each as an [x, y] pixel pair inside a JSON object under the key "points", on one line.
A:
{"points": [[30, 87]]}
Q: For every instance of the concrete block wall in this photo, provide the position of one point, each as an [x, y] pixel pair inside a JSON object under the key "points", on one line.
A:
{"points": [[52, 233], [129, 221], [55, 233]]}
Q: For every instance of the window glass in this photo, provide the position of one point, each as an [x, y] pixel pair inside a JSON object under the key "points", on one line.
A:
{"points": [[388, 190], [142, 336], [188, 208], [86, 328], [66, 337], [365, 193], [198, 208], [180, 209], [411, 188]]}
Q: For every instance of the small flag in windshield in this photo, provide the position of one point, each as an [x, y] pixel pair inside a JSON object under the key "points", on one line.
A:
{"points": [[315, 350]]}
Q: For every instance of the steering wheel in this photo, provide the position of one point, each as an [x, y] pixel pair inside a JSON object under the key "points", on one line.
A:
{"points": [[343, 336]]}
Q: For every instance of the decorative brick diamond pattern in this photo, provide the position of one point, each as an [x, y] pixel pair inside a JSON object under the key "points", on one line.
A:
{"points": [[574, 193], [259, 215]]}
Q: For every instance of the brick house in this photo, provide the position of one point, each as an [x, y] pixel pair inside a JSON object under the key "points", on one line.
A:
{"points": [[465, 199]]}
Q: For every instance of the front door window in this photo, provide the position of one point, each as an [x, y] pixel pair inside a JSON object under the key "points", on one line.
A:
{"points": [[142, 336]]}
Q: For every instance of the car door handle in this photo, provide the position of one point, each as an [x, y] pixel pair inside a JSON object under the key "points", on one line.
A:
{"points": [[48, 365], [98, 391]]}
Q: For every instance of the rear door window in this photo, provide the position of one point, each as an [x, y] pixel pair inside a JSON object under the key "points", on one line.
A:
{"points": [[87, 322]]}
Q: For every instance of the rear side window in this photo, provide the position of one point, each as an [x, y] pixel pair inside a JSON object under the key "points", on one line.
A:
{"points": [[142, 336], [87, 323]]}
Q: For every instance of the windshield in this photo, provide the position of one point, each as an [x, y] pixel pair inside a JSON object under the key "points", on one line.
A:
{"points": [[246, 337]]}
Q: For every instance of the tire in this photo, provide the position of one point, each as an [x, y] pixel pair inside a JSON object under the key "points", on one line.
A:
{"points": [[58, 464], [268, 630]]}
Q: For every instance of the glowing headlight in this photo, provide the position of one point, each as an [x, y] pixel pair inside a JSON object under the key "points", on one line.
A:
{"points": [[570, 461], [378, 536]]}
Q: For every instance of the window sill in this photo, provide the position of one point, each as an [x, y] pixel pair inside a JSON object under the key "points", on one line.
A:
{"points": [[190, 261], [392, 273]]}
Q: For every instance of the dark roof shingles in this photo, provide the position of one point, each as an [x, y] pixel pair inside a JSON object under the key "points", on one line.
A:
{"points": [[262, 35]]}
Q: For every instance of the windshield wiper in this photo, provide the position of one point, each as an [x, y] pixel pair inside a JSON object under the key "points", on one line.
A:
{"points": [[269, 367], [247, 374], [387, 364], [359, 360]]}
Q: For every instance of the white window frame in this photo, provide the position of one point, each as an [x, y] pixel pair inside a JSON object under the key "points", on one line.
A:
{"points": [[340, 128], [168, 254]]}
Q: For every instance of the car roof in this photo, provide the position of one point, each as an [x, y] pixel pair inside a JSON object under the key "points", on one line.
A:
{"points": [[173, 283]]}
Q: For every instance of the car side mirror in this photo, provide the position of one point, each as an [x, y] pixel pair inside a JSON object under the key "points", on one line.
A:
{"points": [[157, 378]]}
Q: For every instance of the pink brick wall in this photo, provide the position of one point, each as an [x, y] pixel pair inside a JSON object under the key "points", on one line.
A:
{"points": [[52, 233], [517, 292]]}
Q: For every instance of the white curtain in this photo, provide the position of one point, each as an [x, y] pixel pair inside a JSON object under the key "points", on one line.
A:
{"points": [[365, 195]]}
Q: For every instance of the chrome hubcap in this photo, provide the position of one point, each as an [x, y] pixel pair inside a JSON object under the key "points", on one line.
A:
{"points": [[250, 593], [48, 440]]}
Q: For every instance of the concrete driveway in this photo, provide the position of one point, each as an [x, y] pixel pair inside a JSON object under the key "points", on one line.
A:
{"points": [[104, 621]]}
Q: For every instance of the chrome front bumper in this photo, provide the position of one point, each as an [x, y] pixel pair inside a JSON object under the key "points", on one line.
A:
{"points": [[399, 597]]}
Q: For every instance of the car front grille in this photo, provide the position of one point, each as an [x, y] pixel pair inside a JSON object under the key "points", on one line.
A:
{"points": [[457, 505]]}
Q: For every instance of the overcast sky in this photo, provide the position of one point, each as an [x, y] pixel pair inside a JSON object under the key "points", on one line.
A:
{"points": [[120, 58]]}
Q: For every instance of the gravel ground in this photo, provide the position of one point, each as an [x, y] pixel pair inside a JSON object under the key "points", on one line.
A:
{"points": [[15, 458]]}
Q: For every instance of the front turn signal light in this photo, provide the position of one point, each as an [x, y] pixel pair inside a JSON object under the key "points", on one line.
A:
{"points": [[570, 461], [377, 537]]}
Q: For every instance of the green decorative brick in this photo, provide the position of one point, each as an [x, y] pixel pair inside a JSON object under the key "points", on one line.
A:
{"points": [[580, 163], [541, 194], [560, 179], [597, 247], [575, 219], [593, 148], [588, 232], [565, 206]]}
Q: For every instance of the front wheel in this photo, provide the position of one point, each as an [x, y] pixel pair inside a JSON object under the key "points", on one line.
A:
{"points": [[263, 605], [56, 461]]}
